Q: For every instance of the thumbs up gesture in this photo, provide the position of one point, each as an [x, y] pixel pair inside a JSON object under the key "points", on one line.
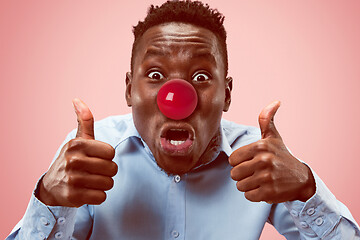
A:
{"points": [[83, 170], [266, 170]]}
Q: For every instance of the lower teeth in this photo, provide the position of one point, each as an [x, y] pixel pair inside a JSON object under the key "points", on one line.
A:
{"points": [[173, 142]]}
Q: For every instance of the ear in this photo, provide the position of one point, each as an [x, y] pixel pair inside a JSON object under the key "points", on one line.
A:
{"points": [[128, 80], [228, 88]]}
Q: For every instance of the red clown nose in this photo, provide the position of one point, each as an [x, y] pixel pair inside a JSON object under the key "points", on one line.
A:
{"points": [[177, 99]]}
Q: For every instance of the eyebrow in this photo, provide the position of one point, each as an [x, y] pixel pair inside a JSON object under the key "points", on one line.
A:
{"points": [[206, 55], [153, 52]]}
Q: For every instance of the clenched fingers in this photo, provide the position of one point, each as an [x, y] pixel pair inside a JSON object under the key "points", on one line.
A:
{"points": [[91, 165], [92, 148]]}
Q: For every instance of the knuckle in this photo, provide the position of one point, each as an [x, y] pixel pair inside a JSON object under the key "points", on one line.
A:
{"points": [[261, 145], [275, 191], [73, 181], [70, 196], [72, 161], [76, 144], [70, 180], [267, 177], [265, 160]]}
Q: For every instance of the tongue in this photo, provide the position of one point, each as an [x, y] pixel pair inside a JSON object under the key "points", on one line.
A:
{"points": [[176, 147]]}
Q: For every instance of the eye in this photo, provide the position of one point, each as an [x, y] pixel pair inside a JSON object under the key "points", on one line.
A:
{"points": [[201, 77], [155, 75]]}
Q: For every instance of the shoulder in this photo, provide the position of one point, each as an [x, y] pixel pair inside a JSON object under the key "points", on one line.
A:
{"points": [[239, 135], [115, 129], [119, 122]]}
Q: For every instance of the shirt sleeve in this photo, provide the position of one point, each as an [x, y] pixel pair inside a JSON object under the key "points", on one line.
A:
{"points": [[44, 222], [321, 217], [52, 222]]}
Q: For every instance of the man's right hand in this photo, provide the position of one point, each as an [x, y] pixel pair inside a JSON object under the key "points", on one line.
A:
{"points": [[83, 170]]}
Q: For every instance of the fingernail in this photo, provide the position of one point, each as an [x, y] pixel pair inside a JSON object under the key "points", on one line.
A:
{"points": [[77, 105]]}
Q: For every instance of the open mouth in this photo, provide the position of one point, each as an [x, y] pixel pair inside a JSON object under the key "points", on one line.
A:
{"points": [[177, 136], [177, 141]]}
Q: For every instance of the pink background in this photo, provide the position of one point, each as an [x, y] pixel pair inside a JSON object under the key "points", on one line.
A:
{"points": [[304, 53]]}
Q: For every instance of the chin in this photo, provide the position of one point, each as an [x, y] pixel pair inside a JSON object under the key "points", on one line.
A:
{"points": [[181, 164], [176, 165]]}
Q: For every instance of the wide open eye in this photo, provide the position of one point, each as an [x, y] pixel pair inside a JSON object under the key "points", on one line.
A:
{"points": [[156, 75], [200, 77]]}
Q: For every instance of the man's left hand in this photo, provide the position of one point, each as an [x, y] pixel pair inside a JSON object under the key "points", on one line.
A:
{"points": [[266, 170]]}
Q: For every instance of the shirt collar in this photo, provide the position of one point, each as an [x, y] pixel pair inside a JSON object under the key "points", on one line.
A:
{"points": [[129, 131], [132, 132], [225, 146]]}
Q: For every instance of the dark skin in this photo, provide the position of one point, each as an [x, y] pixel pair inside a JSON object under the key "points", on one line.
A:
{"points": [[264, 170], [83, 170], [182, 51]]}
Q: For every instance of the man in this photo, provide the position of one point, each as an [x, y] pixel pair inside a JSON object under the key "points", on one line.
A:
{"points": [[149, 176]]}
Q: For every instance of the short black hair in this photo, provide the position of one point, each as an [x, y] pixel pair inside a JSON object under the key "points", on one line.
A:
{"points": [[192, 12]]}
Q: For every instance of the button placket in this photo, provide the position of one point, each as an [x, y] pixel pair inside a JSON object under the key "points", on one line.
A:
{"points": [[177, 178], [61, 221], [175, 209], [59, 235], [175, 233]]}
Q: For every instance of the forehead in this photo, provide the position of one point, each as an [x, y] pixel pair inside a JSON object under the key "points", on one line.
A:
{"points": [[178, 37]]}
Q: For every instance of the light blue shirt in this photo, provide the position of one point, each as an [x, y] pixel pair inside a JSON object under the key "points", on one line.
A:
{"points": [[146, 203]]}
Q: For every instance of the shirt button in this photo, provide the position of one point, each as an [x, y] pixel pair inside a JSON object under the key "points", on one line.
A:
{"points": [[44, 221], [294, 213], [304, 225], [58, 235], [177, 178], [61, 221], [319, 221], [310, 211], [175, 233]]}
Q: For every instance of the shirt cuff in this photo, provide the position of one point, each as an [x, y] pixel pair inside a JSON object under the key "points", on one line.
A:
{"points": [[320, 214], [42, 222]]}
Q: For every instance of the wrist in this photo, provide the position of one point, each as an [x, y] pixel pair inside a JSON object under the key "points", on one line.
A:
{"points": [[309, 188], [44, 196]]}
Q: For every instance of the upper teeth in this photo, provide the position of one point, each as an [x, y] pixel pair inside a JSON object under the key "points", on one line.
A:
{"points": [[173, 142]]}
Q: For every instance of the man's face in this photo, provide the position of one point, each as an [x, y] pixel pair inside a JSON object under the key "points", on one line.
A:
{"points": [[178, 51]]}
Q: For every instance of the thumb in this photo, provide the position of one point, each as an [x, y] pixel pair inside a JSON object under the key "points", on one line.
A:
{"points": [[85, 120], [266, 120]]}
